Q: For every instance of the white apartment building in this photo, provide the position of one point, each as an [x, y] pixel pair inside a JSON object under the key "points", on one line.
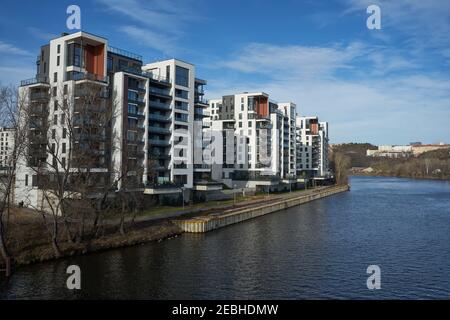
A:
{"points": [[312, 148], [6, 147], [261, 149], [152, 109]]}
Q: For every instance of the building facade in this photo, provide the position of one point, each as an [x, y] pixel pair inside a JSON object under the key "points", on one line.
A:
{"points": [[312, 148], [6, 147], [135, 126]]}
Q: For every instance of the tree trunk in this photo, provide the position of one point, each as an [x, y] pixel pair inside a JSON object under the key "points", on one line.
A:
{"points": [[3, 249], [55, 244], [122, 219]]}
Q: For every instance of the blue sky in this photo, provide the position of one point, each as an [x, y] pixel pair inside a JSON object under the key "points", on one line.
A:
{"points": [[389, 86]]}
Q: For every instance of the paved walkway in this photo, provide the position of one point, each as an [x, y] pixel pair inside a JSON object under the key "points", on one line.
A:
{"points": [[219, 208]]}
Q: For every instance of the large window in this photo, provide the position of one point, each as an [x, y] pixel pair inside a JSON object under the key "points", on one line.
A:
{"points": [[181, 94], [74, 55], [182, 76]]}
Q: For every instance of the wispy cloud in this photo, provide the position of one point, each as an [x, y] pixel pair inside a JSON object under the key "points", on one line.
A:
{"points": [[425, 23], [159, 23], [150, 39], [294, 61], [40, 34], [7, 48], [13, 75], [353, 86]]}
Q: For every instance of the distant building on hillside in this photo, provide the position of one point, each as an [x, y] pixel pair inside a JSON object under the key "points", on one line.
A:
{"points": [[414, 149]]}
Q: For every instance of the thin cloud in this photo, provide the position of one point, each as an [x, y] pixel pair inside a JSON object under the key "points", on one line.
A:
{"points": [[150, 39], [40, 34], [7, 48], [157, 24]]}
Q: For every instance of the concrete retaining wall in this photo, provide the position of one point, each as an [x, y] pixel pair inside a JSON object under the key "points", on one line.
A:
{"points": [[208, 223]]}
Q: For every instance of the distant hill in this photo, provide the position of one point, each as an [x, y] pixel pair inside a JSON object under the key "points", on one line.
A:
{"points": [[357, 153], [433, 164]]}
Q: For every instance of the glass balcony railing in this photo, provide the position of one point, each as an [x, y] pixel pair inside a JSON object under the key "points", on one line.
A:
{"points": [[158, 117], [125, 53], [90, 77], [156, 142], [159, 105], [160, 92], [154, 129], [40, 80]]}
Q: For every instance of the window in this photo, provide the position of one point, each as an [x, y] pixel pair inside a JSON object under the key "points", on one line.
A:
{"points": [[181, 94], [55, 119], [55, 91], [59, 48], [55, 77], [53, 133], [63, 148], [55, 105], [168, 72], [63, 162], [26, 180], [34, 181], [110, 64], [65, 89], [53, 148], [63, 119], [249, 124], [64, 133], [182, 76], [58, 60]]}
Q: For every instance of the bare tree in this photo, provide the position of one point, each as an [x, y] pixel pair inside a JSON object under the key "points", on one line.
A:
{"points": [[9, 111], [340, 164]]}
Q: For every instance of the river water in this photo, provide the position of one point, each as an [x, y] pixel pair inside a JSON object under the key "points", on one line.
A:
{"points": [[319, 250]]}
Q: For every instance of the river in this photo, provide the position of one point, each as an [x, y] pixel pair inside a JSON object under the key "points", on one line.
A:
{"points": [[320, 250]]}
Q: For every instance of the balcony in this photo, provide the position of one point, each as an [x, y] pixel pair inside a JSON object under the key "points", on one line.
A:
{"points": [[83, 93], [159, 156], [160, 130], [159, 105], [136, 114], [158, 117], [134, 100], [202, 101], [39, 96], [156, 142], [124, 53], [135, 141], [201, 112], [89, 77], [35, 81], [160, 93]]}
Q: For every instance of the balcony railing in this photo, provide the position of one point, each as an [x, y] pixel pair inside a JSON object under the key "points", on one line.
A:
{"points": [[90, 77], [158, 117], [160, 92], [201, 100], [103, 94], [28, 82], [156, 142], [39, 96], [149, 75], [136, 100], [154, 129], [159, 105], [125, 53]]}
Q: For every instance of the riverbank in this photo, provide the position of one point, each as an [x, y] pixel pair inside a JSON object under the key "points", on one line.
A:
{"points": [[32, 243], [387, 175], [202, 224]]}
